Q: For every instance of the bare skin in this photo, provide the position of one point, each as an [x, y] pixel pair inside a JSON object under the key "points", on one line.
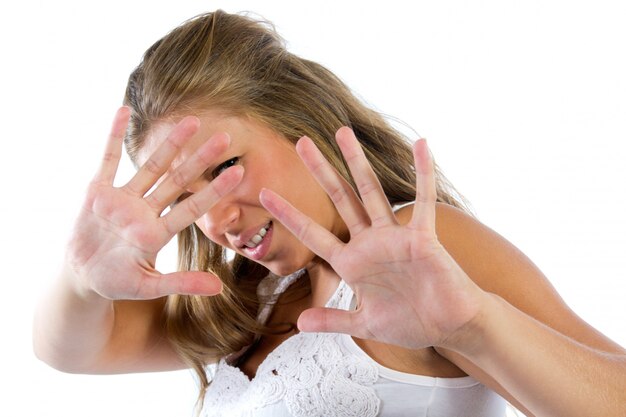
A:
{"points": [[401, 270], [476, 305], [104, 314]]}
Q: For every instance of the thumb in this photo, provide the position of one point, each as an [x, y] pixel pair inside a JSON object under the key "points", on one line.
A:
{"points": [[330, 320], [186, 283]]}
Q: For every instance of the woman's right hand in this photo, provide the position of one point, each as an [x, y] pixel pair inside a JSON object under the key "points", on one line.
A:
{"points": [[120, 230]]}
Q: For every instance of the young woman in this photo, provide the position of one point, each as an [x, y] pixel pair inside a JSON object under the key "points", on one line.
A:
{"points": [[242, 146]]}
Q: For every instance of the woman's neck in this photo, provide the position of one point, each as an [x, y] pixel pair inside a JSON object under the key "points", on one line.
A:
{"points": [[324, 282]]}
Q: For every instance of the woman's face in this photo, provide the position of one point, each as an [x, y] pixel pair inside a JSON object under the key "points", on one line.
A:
{"points": [[238, 221]]}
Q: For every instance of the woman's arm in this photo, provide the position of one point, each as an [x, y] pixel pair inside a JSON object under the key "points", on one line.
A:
{"points": [[411, 292], [104, 314], [547, 372], [501, 269], [82, 332]]}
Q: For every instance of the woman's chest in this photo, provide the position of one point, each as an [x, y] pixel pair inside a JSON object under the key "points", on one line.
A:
{"points": [[307, 373], [313, 374], [251, 362], [417, 362], [425, 362]]}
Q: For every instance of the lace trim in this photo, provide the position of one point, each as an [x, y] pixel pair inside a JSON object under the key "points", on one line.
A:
{"points": [[309, 371], [270, 288]]}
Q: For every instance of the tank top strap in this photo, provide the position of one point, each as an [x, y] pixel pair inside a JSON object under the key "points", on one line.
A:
{"points": [[268, 291], [342, 297]]}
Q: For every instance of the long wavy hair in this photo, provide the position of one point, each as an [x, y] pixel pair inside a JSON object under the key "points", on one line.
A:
{"points": [[240, 65]]}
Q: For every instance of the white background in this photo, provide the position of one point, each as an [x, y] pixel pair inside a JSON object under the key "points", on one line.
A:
{"points": [[523, 104]]}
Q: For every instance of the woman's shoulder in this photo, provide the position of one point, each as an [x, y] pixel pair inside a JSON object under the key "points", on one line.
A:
{"points": [[494, 263], [499, 267]]}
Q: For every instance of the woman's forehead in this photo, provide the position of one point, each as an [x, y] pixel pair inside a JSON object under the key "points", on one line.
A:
{"points": [[242, 130]]}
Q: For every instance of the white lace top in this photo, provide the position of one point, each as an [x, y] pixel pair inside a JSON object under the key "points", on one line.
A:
{"points": [[327, 374]]}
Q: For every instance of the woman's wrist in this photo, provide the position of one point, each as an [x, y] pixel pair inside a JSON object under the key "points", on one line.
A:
{"points": [[471, 338], [79, 287]]}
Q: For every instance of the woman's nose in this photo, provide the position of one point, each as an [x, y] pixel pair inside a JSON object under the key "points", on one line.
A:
{"points": [[221, 218]]}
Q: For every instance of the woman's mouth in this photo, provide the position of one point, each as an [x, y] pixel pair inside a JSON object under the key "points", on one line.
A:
{"points": [[258, 245]]}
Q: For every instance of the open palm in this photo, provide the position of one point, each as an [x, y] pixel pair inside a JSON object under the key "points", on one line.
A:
{"points": [[120, 230], [409, 290]]}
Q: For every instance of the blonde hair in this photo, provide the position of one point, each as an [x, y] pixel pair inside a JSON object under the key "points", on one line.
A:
{"points": [[240, 66]]}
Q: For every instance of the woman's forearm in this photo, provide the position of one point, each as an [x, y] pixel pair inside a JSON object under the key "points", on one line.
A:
{"points": [[551, 374], [71, 327]]}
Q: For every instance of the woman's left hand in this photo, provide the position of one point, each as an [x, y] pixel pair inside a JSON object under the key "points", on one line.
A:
{"points": [[410, 292]]}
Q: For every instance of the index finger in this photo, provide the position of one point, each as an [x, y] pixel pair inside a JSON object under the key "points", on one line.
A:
{"points": [[322, 242], [113, 150]]}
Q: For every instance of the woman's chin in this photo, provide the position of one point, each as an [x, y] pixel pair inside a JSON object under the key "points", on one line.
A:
{"points": [[286, 264], [284, 270]]}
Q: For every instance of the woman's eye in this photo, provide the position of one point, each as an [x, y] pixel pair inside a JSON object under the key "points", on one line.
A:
{"points": [[217, 171], [181, 198]]}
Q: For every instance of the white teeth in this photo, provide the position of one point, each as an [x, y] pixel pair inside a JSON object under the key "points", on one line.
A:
{"points": [[257, 238]]}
